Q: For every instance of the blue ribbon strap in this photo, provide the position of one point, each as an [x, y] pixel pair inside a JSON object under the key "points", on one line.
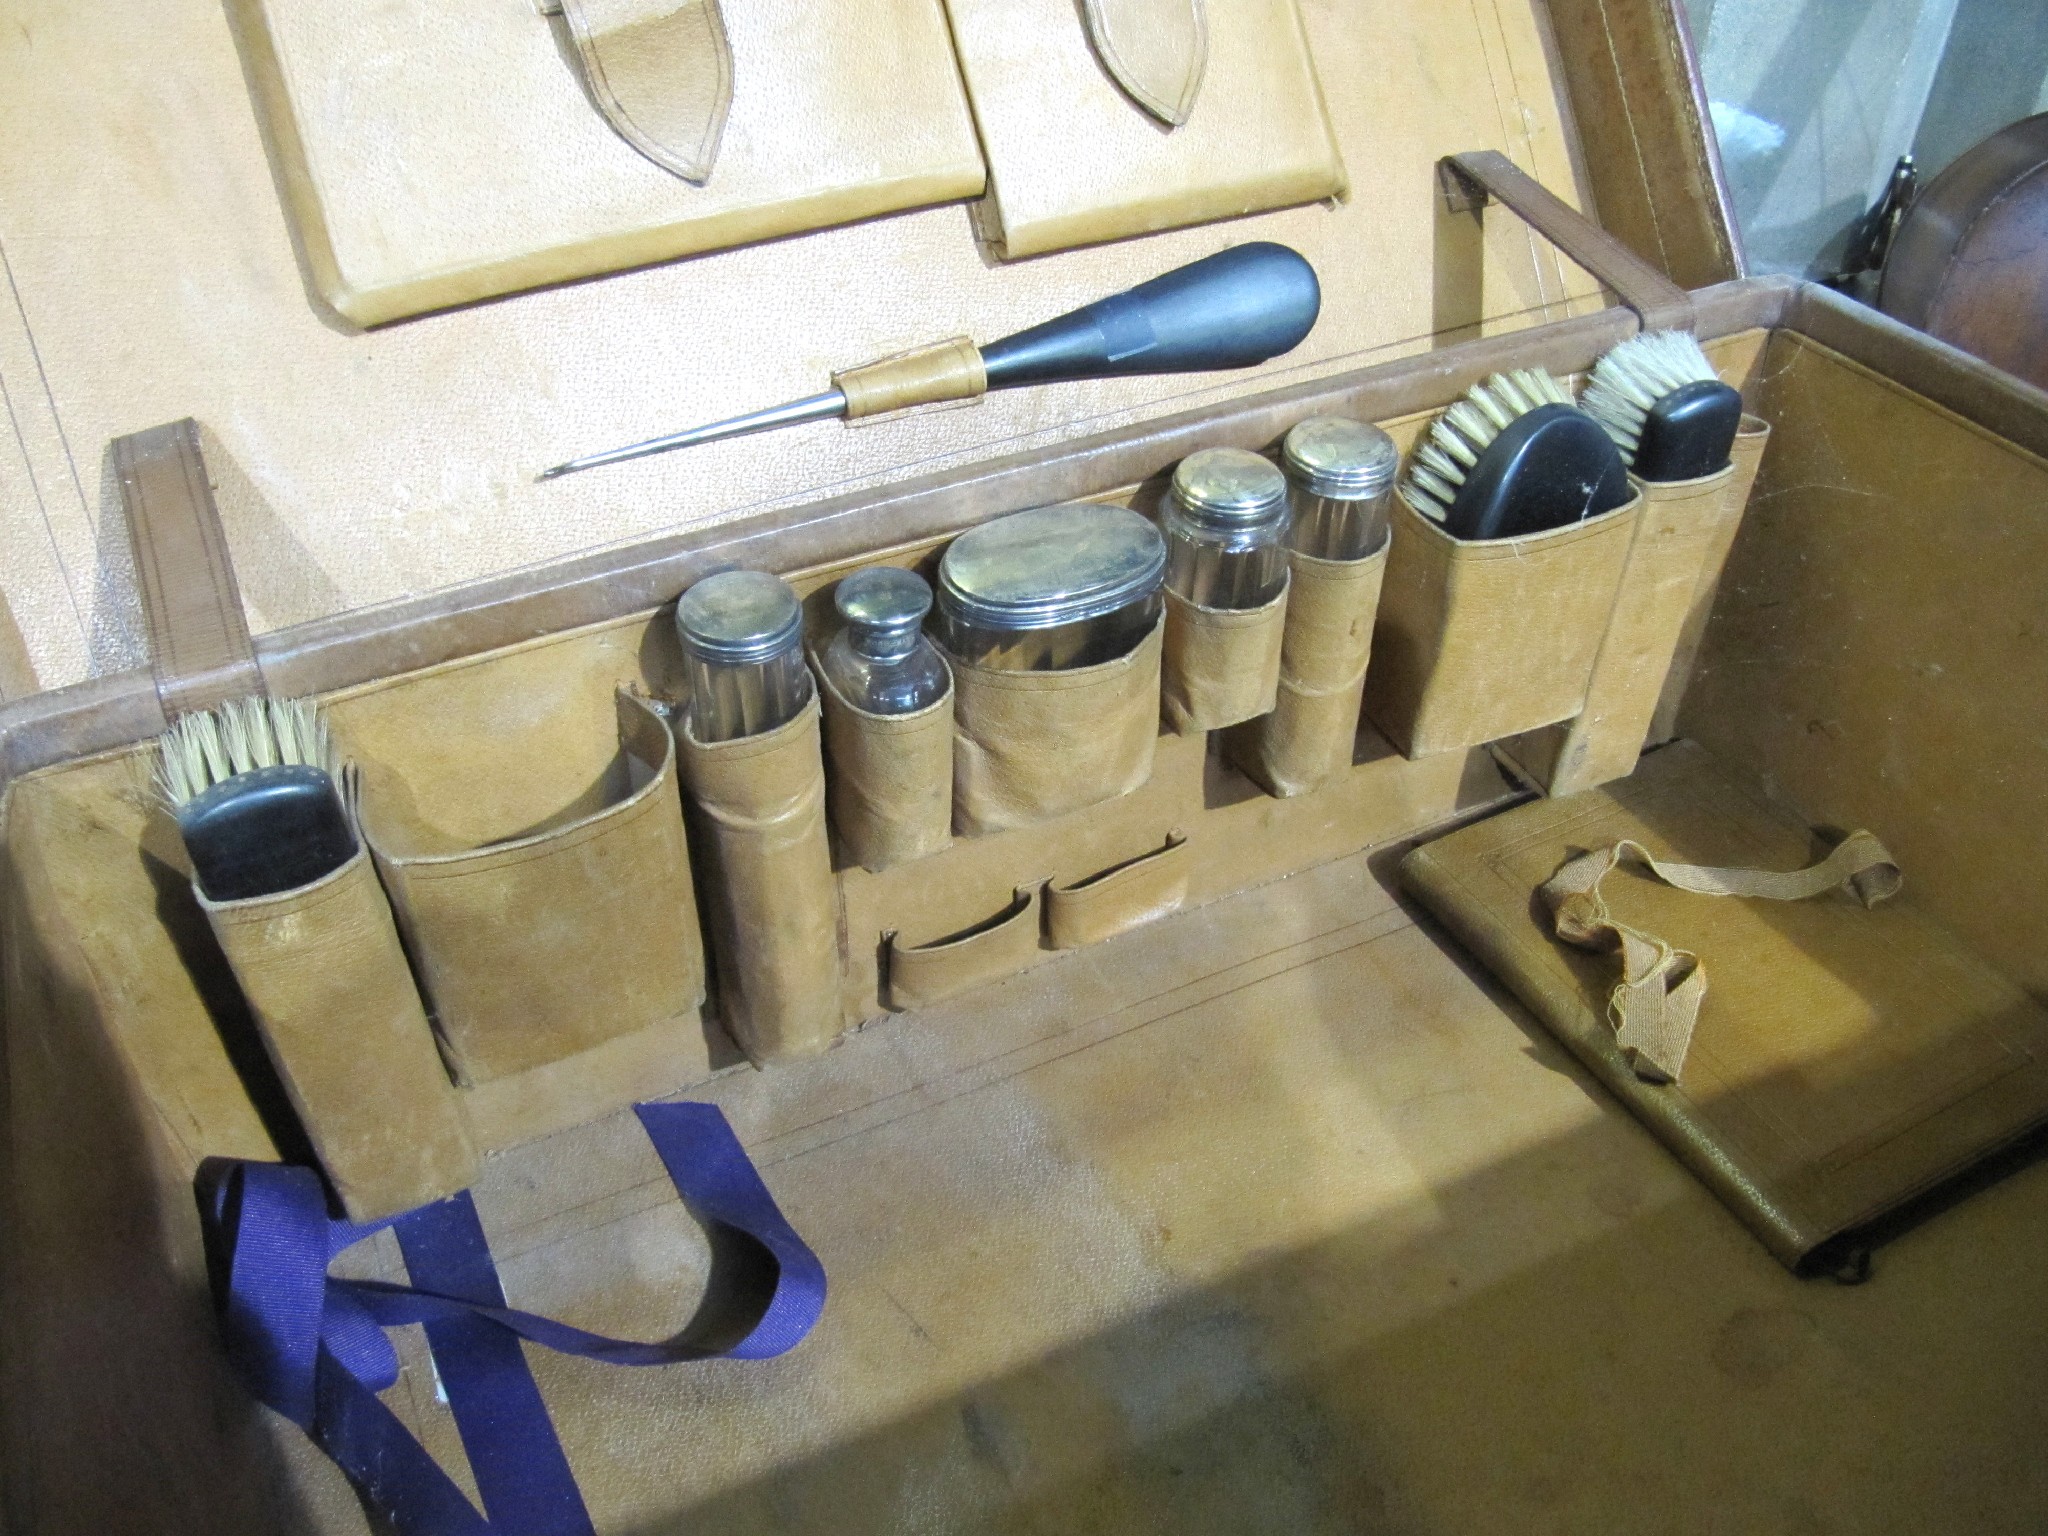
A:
{"points": [[313, 1347]]}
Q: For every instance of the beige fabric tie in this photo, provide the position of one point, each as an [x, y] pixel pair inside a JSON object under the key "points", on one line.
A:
{"points": [[1656, 1003]]}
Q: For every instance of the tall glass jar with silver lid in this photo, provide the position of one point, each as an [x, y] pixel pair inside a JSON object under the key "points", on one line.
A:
{"points": [[1057, 587], [1341, 476], [1226, 529], [743, 650], [880, 662]]}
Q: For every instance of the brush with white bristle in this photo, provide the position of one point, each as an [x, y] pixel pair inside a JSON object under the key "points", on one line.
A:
{"points": [[1658, 396], [253, 786], [1475, 473]]}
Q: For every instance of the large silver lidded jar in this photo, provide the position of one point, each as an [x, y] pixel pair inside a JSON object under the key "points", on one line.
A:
{"points": [[1341, 479], [1226, 529], [743, 649], [1071, 585]]}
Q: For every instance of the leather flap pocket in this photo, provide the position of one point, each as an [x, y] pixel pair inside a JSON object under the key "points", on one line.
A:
{"points": [[922, 974], [1120, 898]]}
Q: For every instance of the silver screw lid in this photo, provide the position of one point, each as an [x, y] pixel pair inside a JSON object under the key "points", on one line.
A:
{"points": [[884, 607], [739, 616], [1050, 566], [1229, 487], [1342, 459]]}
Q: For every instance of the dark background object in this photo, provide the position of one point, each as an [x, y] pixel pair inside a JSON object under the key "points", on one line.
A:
{"points": [[1970, 261]]}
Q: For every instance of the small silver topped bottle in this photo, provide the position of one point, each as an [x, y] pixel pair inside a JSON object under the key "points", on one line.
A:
{"points": [[880, 661], [1056, 587], [1226, 529], [742, 634], [1341, 478]]}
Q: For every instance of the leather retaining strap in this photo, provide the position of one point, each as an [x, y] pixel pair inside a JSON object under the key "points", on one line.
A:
{"points": [[1471, 178], [1656, 1003], [1155, 49], [945, 370], [661, 73], [199, 646]]}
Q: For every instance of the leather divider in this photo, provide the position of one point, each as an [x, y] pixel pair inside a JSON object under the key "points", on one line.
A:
{"points": [[1029, 746], [1750, 442], [1326, 646], [890, 781], [919, 975], [1154, 49], [1121, 898], [945, 370], [759, 808], [1676, 529], [199, 646], [538, 947], [1481, 640], [1222, 665], [660, 72], [326, 979]]}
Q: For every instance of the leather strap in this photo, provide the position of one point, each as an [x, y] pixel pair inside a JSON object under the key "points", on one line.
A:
{"points": [[660, 72], [1156, 50], [199, 646], [1470, 179], [945, 370], [17, 672], [1656, 1003]]}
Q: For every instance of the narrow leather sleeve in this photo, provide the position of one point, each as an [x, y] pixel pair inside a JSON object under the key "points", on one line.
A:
{"points": [[661, 73], [1155, 50]]}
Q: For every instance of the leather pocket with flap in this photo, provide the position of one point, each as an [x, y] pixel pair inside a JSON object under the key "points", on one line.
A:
{"points": [[1222, 665], [538, 947], [922, 974], [1120, 898], [758, 805], [1029, 746], [326, 979], [1478, 640]]}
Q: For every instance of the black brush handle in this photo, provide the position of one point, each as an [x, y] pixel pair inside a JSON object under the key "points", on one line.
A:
{"points": [[265, 832], [1235, 309]]}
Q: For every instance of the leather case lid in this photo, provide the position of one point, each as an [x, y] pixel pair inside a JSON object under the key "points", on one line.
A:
{"points": [[1845, 1060]]}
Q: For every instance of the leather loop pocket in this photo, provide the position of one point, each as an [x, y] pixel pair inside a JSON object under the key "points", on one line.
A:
{"points": [[1222, 664], [1750, 441], [1029, 746], [759, 809], [661, 73], [538, 947], [922, 974], [1120, 898], [1677, 527], [1327, 643], [890, 790], [1480, 640], [326, 980], [945, 370]]}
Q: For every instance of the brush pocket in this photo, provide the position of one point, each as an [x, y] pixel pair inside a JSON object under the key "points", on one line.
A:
{"points": [[1677, 526], [922, 974], [1222, 665], [1029, 746], [537, 947], [326, 979], [890, 789], [1120, 898], [759, 809], [1480, 640], [1750, 441], [1310, 734]]}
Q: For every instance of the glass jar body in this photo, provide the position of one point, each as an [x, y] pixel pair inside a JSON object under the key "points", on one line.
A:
{"points": [[1241, 566], [886, 685], [1338, 528], [732, 699], [1051, 648]]}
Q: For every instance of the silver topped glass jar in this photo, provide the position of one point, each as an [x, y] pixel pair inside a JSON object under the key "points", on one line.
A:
{"points": [[1226, 529], [1064, 586], [1341, 476], [880, 661], [743, 650]]}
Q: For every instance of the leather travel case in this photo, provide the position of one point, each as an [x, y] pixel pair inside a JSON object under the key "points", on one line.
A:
{"points": [[1845, 1060]]}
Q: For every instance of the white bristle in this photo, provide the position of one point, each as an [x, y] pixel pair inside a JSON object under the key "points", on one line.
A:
{"points": [[212, 746], [1630, 380], [1458, 437]]}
